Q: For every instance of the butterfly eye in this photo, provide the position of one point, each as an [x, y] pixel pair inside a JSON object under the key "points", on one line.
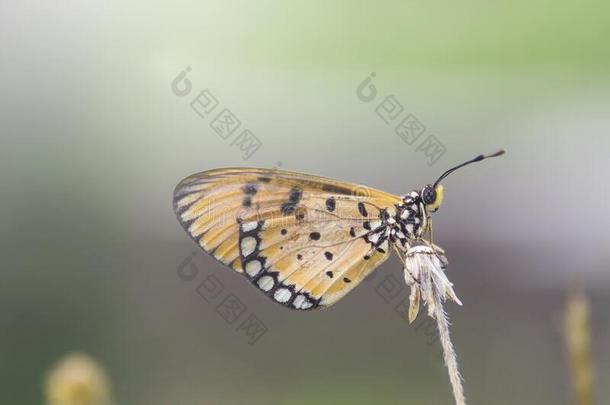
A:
{"points": [[428, 194]]}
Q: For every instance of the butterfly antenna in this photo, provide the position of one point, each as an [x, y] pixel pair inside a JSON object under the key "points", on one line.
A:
{"points": [[476, 159]]}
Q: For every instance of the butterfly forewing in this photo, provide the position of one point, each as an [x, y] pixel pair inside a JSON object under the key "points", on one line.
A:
{"points": [[305, 241]]}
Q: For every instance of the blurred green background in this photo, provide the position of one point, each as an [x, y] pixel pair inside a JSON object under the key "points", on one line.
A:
{"points": [[93, 141]]}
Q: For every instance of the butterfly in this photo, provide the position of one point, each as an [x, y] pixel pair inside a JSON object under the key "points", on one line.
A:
{"points": [[306, 241]]}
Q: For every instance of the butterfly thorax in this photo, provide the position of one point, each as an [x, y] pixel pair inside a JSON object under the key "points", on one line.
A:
{"points": [[410, 220]]}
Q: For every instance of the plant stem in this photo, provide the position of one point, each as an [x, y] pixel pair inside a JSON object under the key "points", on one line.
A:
{"points": [[448, 351]]}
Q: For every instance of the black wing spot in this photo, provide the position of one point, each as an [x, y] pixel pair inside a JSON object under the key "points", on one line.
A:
{"points": [[288, 209], [328, 255], [329, 274], [250, 188], [331, 204], [366, 225], [335, 189], [247, 202], [299, 256], [366, 257], [314, 235], [265, 179], [293, 199], [295, 195], [362, 209], [284, 231], [347, 280], [352, 232]]}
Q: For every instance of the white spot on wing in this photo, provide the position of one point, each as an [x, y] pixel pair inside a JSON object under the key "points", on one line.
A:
{"points": [[265, 283], [248, 245], [282, 295], [301, 302], [253, 267], [306, 305], [247, 227]]}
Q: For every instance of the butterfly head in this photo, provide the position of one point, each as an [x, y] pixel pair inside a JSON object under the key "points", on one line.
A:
{"points": [[432, 194]]}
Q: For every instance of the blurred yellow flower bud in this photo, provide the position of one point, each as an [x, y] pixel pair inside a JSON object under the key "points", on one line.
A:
{"points": [[577, 330], [77, 379]]}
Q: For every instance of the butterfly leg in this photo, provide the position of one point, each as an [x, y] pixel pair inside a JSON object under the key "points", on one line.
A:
{"points": [[412, 281], [439, 251], [430, 240]]}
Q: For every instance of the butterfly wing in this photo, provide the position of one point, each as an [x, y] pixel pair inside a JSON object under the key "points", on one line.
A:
{"points": [[305, 241]]}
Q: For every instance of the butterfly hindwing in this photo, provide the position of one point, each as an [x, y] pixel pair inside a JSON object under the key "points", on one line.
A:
{"points": [[303, 240]]}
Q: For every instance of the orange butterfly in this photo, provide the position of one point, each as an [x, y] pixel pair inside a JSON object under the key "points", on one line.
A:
{"points": [[304, 240]]}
